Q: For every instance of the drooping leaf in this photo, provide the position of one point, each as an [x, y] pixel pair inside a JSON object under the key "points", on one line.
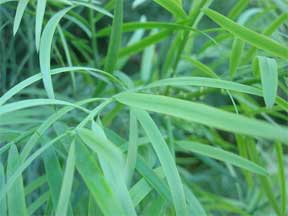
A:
{"points": [[45, 50], [221, 155], [204, 114], [205, 82], [173, 7], [258, 40]]}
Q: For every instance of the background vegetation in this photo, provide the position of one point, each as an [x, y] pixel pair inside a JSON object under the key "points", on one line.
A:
{"points": [[163, 107]]}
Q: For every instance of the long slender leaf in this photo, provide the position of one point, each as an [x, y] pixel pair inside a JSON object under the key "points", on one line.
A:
{"points": [[237, 48], [66, 187], [90, 171], [166, 161], [34, 102], [16, 196], [3, 204], [252, 37], [204, 114], [205, 82], [282, 179], [132, 149], [222, 155], [45, 50], [40, 11], [22, 4], [268, 70], [112, 163], [172, 7], [115, 38]]}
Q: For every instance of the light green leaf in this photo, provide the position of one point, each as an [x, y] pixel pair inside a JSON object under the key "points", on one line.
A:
{"points": [[93, 7], [202, 67], [204, 114], [235, 57], [41, 200], [258, 40], [22, 166], [148, 25], [96, 183], [112, 163], [21, 6], [166, 160], [66, 187], [194, 206], [3, 205], [282, 178], [222, 155], [146, 42], [40, 11], [35, 184], [54, 174], [268, 70], [173, 7], [115, 38], [238, 8], [45, 50], [29, 81], [35, 102], [16, 196], [147, 62], [132, 149], [205, 82]]}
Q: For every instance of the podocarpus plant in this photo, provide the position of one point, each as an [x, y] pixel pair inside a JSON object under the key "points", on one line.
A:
{"points": [[163, 107]]}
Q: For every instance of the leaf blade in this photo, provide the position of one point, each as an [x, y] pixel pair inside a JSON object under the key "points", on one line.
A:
{"points": [[166, 161], [203, 114], [260, 41], [222, 155], [45, 50]]}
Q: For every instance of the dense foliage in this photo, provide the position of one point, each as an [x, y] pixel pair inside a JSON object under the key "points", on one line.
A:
{"points": [[163, 107]]}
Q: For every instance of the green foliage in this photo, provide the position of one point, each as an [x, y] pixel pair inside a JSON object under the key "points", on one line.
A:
{"points": [[137, 107]]}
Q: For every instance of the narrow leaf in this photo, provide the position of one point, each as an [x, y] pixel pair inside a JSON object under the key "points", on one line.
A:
{"points": [[45, 50], [66, 187], [268, 70], [235, 57], [204, 114], [21, 6], [173, 7], [3, 205], [205, 82], [16, 195], [40, 10], [258, 40], [222, 155], [112, 164], [166, 160], [132, 149], [282, 178], [115, 38], [90, 171]]}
